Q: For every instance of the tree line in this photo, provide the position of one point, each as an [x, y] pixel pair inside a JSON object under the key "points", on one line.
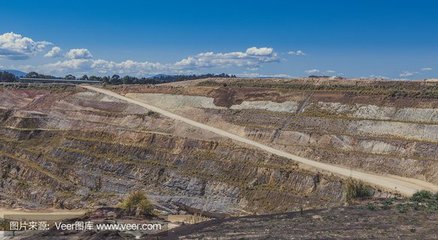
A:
{"points": [[7, 77], [117, 79]]}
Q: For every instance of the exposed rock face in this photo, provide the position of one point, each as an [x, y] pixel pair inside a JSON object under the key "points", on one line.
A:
{"points": [[65, 147], [383, 127], [184, 101], [426, 115], [68, 148]]}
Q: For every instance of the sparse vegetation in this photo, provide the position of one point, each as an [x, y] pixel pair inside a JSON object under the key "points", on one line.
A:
{"points": [[355, 189], [422, 196], [137, 204], [422, 200], [402, 208], [371, 206], [426, 199], [388, 203], [388, 89]]}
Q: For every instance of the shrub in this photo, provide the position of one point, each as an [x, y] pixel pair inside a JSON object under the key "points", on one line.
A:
{"points": [[426, 198], [137, 204], [402, 208], [387, 203], [371, 206], [355, 189], [422, 196], [153, 114]]}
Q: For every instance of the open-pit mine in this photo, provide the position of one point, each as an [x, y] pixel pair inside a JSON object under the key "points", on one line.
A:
{"points": [[224, 151]]}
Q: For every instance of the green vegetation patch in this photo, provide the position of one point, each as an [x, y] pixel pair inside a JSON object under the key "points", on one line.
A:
{"points": [[137, 204], [426, 199]]}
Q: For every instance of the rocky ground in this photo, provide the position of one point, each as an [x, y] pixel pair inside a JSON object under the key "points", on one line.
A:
{"points": [[373, 221], [65, 147], [382, 127], [386, 219]]}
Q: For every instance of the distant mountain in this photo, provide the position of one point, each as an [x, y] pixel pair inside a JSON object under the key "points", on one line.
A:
{"points": [[17, 73]]}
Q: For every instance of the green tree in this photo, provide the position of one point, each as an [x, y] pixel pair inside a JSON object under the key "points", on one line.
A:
{"points": [[70, 77], [7, 77], [32, 75]]}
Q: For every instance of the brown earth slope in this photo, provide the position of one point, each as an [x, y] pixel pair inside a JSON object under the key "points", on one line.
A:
{"points": [[370, 222], [401, 185], [67, 147], [385, 127]]}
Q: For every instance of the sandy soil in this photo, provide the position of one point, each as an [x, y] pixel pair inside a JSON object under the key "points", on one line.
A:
{"points": [[47, 214]]}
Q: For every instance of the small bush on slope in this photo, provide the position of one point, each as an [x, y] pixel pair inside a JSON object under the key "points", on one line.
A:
{"points": [[137, 204], [355, 189]]}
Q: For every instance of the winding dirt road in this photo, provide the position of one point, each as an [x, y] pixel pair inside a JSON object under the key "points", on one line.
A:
{"points": [[404, 186]]}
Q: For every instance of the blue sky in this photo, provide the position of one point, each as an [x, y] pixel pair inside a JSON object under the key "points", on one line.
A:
{"points": [[389, 38]]}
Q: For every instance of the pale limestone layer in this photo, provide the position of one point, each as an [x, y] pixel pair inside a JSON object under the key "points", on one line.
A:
{"points": [[420, 132], [362, 111], [175, 101], [170, 101], [428, 115], [402, 122], [288, 106]]}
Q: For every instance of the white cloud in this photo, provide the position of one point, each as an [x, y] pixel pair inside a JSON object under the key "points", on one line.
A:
{"points": [[264, 51], [16, 47], [297, 53], [53, 53], [407, 74], [100, 66], [128, 67], [69, 65], [252, 58], [312, 71], [330, 71], [79, 53], [426, 69], [81, 61]]}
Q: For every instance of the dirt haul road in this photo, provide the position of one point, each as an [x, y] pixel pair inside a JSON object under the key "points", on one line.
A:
{"points": [[404, 186]]}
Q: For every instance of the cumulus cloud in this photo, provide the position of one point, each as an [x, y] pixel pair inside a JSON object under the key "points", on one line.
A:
{"points": [[16, 47], [264, 51], [53, 53], [330, 71], [81, 61], [101, 66], [297, 53], [426, 69], [69, 65], [312, 71], [79, 53], [128, 67], [252, 58]]}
